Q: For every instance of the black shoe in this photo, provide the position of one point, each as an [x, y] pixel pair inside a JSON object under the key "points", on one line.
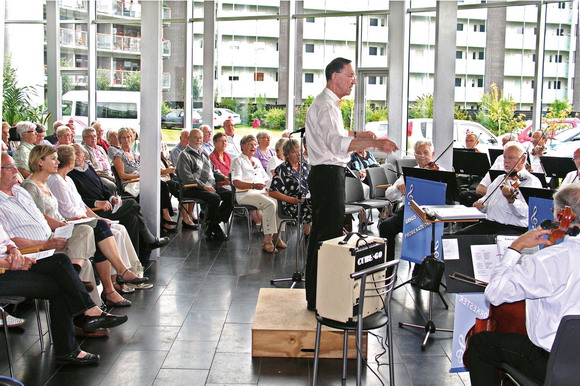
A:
{"points": [[185, 225], [92, 323], [218, 233], [138, 280], [72, 359], [207, 231], [158, 243], [164, 221]]}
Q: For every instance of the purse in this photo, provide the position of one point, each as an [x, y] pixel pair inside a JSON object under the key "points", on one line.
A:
{"points": [[132, 188], [430, 274]]}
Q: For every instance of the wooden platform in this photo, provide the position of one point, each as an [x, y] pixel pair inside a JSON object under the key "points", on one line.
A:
{"points": [[283, 327]]}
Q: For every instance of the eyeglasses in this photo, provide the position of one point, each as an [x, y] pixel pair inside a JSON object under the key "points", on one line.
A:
{"points": [[8, 167], [350, 76], [30, 131]]}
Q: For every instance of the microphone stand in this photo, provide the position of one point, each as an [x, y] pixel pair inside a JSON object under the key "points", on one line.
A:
{"points": [[297, 276]]}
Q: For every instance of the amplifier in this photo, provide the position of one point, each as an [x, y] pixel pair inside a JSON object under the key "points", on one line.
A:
{"points": [[337, 295]]}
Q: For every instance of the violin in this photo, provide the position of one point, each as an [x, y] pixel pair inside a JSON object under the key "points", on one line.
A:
{"points": [[511, 317], [513, 183]]}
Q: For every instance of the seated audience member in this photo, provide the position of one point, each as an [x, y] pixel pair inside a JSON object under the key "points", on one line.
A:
{"points": [[113, 139], [359, 162], [65, 136], [263, 152], [207, 145], [135, 142], [277, 159], [71, 206], [54, 278], [52, 138], [127, 165], [6, 137], [194, 167], [40, 135], [97, 157], [44, 162], [548, 282], [233, 148], [392, 226], [100, 135], [573, 177], [183, 141], [27, 132], [506, 208], [96, 195], [471, 141], [248, 174], [219, 158], [286, 184]]}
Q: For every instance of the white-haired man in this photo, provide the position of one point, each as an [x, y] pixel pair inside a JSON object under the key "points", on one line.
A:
{"points": [[234, 149], [507, 210], [207, 145], [27, 132], [183, 141], [548, 282]]}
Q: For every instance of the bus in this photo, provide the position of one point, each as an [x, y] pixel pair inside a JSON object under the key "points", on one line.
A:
{"points": [[115, 109]]}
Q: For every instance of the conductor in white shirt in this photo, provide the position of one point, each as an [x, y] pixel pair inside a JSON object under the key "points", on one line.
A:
{"points": [[329, 145], [549, 282]]}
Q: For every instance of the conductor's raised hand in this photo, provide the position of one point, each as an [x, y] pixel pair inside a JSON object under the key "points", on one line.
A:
{"points": [[386, 145]]}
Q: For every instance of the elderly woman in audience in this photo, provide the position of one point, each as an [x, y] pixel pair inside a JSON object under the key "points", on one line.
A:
{"points": [[71, 206], [27, 132], [6, 137], [287, 184], [96, 195], [249, 175], [54, 278], [219, 158], [127, 165], [65, 135], [43, 162], [41, 134], [263, 152], [113, 139], [277, 160], [100, 138]]}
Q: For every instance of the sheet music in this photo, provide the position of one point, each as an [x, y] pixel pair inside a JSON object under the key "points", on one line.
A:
{"points": [[450, 249], [503, 242], [64, 232], [117, 205], [40, 255], [80, 220], [485, 258]]}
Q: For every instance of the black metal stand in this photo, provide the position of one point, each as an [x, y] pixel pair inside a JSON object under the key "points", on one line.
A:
{"points": [[430, 327], [297, 276]]}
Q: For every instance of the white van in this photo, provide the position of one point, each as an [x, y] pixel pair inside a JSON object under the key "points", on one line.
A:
{"points": [[422, 128], [115, 109]]}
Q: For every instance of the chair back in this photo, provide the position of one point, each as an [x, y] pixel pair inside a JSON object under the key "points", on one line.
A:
{"points": [[353, 189], [390, 171], [118, 181], [563, 361], [377, 176], [377, 281], [401, 163]]}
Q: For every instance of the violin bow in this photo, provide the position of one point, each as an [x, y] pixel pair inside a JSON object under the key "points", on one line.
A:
{"points": [[444, 151], [508, 174]]}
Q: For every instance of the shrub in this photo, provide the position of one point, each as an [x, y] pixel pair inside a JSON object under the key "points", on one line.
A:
{"points": [[275, 119]]}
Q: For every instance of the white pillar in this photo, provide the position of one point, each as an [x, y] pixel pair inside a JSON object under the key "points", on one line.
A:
{"points": [[539, 70], [92, 62], [209, 11], [188, 65], [150, 119], [444, 87], [53, 79], [290, 65]]}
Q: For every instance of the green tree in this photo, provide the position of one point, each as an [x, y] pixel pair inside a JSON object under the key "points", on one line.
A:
{"points": [[275, 119], [133, 81], [558, 111], [165, 109], [498, 113], [103, 79], [300, 112], [260, 112], [66, 80], [460, 113], [195, 87], [376, 113], [422, 108], [229, 103], [347, 109]]}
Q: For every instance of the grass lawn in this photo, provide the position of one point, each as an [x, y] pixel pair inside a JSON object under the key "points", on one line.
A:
{"points": [[171, 136]]}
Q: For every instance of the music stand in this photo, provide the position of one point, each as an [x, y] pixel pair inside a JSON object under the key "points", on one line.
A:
{"points": [[470, 162], [557, 166], [493, 174], [449, 178], [493, 154], [536, 192]]}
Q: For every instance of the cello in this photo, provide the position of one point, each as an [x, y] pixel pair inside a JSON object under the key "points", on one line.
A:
{"points": [[511, 317]]}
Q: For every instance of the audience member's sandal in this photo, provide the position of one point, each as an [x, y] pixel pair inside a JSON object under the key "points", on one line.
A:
{"points": [[269, 247], [281, 244]]}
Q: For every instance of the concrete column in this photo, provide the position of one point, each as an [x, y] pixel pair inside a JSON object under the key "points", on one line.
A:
{"points": [[209, 68], [495, 47], [53, 79], [2, 18], [539, 70], [92, 61], [188, 65], [444, 84], [150, 119], [398, 81]]}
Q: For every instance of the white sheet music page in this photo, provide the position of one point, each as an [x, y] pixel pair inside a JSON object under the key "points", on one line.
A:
{"points": [[41, 254], [450, 249], [485, 258]]}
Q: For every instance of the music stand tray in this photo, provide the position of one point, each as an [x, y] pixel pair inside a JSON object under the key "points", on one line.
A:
{"points": [[470, 162], [557, 166], [536, 192], [449, 178], [493, 174]]}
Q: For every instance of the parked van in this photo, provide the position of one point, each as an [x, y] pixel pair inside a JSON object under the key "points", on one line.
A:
{"points": [[115, 109]]}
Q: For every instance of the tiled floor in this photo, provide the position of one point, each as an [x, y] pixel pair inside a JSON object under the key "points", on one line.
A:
{"points": [[194, 328]]}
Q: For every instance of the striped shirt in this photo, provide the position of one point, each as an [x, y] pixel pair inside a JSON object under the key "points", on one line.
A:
{"points": [[20, 216], [5, 243]]}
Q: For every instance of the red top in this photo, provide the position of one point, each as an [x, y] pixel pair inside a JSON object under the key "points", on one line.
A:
{"points": [[104, 144], [222, 166]]}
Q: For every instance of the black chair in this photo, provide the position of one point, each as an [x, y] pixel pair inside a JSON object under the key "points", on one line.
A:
{"points": [[119, 183], [355, 196], [183, 199], [244, 208], [562, 367], [382, 287]]}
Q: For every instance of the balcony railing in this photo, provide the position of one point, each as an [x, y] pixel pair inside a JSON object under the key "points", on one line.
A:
{"points": [[73, 38], [121, 78], [127, 44]]}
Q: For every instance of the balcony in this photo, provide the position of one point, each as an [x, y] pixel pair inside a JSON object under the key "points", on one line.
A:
{"points": [[122, 78], [119, 8], [73, 38]]}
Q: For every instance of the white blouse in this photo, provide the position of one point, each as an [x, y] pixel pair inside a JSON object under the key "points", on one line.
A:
{"points": [[248, 170], [70, 203]]}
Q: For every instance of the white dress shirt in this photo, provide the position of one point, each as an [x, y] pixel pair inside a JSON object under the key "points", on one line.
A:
{"points": [[326, 139], [571, 178], [243, 170], [498, 208], [5, 243], [549, 281], [70, 203], [234, 148], [497, 165], [21, 217]]}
